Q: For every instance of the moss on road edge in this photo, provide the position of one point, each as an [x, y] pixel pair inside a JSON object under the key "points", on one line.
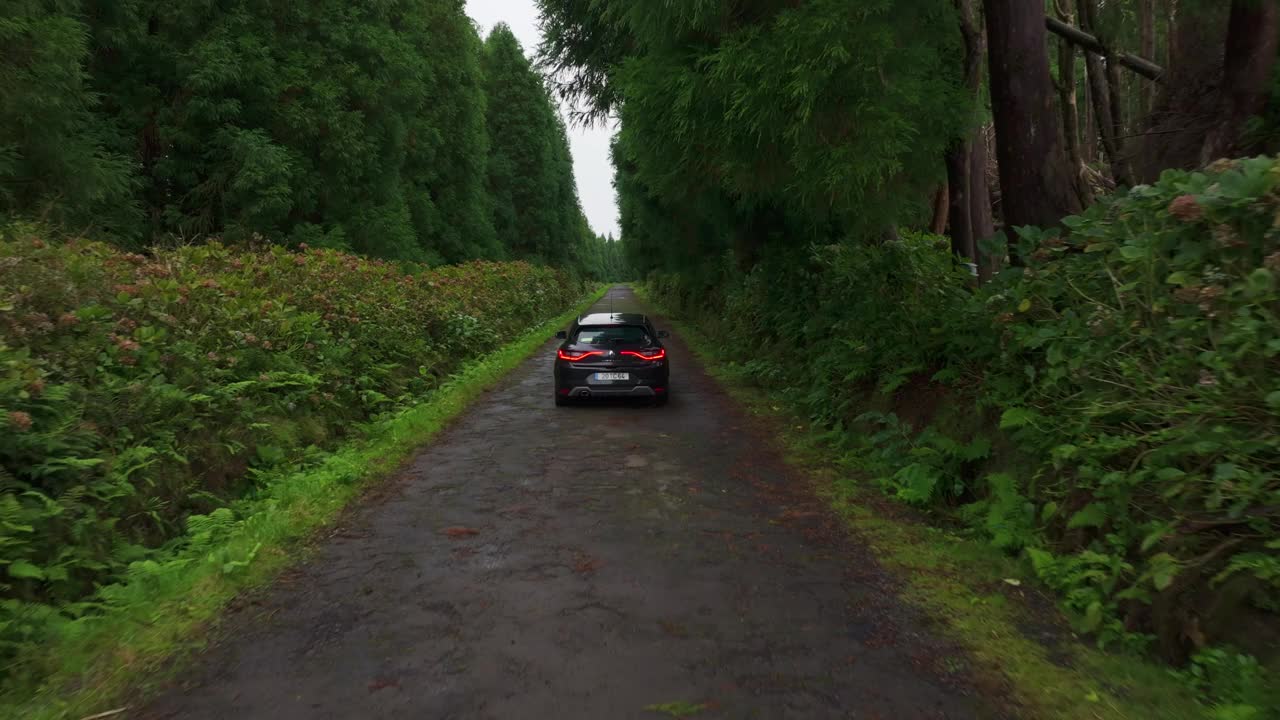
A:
{"points": [[166, 609], [981, 598]]}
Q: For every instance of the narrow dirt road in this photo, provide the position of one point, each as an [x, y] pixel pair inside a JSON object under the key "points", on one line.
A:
{"points": [[584, 563]]}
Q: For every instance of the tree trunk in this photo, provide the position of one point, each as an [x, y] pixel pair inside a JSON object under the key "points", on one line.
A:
{"points": [[754, 232], [960, 227], [982, 225], [1035, 179], [1070, 110], [1147, 48], [1090, 133], [1188, 105], [938, 225], [1118, 125], [1105, 102], [958, 155], [1252, 38]]}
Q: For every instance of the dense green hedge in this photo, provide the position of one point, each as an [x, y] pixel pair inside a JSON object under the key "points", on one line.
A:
{"points": [[1126, 381], [139, 390]]}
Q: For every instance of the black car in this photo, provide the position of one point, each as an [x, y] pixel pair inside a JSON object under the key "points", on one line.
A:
{"points": [[611, 355]]}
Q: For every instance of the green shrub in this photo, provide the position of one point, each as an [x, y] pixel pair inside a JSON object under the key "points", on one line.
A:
{"points": [[1130, 372], [137, 391], [1141, 358]]}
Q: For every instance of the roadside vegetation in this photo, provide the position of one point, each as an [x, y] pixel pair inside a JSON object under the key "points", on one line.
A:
{"points": [[1020, 301], [250, 255], [149, 399]]}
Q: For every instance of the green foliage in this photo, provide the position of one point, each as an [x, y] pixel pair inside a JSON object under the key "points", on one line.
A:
{"points": [[778, 124], [1233, 684], [1131, 368], [143, 624], [530, 171], [936, 468], [354, 126], [141, 394], [54, 159], [832, 302], [1147, 346], [364, 127]]}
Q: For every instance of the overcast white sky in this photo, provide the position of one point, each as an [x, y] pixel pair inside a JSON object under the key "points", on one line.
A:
{"points": [[591, 165]]}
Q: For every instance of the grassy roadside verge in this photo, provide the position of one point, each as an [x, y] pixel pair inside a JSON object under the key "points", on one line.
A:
{"points": [[985, 600], [164, 609]]}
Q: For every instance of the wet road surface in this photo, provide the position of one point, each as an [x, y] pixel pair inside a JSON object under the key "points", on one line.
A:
{"points": [[583, 563]]}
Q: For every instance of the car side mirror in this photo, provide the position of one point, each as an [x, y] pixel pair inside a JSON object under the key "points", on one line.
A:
{"points": [[663, 334], [562, 335]]}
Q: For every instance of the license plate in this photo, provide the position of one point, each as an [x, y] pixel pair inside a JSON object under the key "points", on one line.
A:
{"points": [[610, 377]]}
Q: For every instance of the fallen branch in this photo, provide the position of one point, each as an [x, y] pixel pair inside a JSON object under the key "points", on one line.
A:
{"points": [[1076, 36]]}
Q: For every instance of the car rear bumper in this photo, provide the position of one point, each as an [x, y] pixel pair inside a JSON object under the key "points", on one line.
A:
{"points": [[589, 391], [580, 382]]}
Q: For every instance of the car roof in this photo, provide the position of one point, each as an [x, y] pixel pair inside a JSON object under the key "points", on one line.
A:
{"points": [[613, 319]]}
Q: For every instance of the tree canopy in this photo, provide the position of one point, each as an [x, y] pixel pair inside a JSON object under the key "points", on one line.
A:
{"points": [[388, 128]]}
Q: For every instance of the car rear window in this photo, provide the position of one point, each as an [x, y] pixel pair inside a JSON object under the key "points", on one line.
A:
{"points": [[612, 335]]}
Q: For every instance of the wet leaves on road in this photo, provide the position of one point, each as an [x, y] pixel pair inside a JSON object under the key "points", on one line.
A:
{"points": [[586, 565], [673, 629]]}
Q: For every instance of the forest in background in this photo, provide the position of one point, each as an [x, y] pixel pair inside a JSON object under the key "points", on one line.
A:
{"points": [[389, 129], [1003, 252]]}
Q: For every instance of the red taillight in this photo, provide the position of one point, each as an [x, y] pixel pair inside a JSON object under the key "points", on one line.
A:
{"points": [[658, 354], [572, 356]]}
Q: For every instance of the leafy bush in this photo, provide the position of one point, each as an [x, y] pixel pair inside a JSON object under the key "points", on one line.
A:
{"points": [[1141, 357], [1129, 373], [138, 391]]}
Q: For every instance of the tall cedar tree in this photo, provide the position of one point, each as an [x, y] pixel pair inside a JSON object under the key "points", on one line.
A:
{"points": [[360, 125], [530, 171], [1035, 182], [53, 158], [776, 126], [1253, 36], [334, 123]]}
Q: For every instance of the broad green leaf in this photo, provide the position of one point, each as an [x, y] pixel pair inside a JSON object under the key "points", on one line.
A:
{"points": [[1091, 515], [1017, 417], [25, 570], [1092, 619], [1261, 281], [1042, 560], [1065, 451], [1163, 570], [1154, 537]]}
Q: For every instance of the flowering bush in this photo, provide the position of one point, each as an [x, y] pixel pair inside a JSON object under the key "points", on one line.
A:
{"points": [[137, 390]]}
